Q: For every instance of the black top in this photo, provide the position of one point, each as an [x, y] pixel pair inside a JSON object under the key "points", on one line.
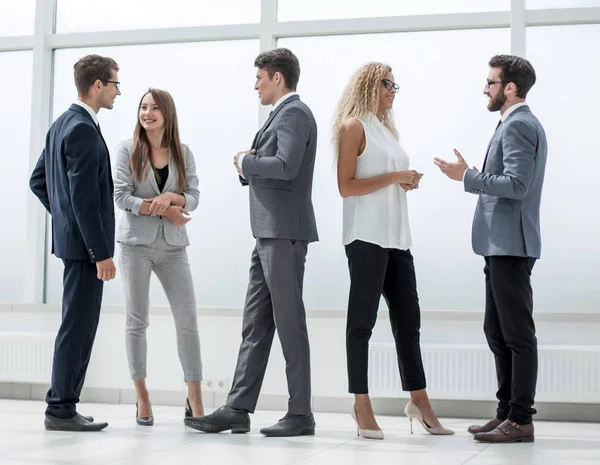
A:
{"points": [[161, 176]]}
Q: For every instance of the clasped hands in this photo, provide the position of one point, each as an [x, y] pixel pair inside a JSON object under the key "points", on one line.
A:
{"points": [[236, 160], [161, 206]]}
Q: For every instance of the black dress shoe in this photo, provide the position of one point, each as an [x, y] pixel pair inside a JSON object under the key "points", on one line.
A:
{"points": [[76, 423], [292, 425], [88, 418], [223, 419]]}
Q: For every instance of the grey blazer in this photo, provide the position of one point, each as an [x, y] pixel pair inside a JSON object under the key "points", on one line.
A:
{"points": [[507, 217], [280, 175], [136, 229]]}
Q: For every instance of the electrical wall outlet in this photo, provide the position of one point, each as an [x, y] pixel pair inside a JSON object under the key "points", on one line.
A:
{"points": [[216, 384]]}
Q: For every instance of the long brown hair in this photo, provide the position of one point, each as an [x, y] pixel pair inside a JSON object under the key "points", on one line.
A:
{"points": [[141, 160]]}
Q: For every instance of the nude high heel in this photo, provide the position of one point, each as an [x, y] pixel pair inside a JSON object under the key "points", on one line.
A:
{"points": [[365, 433], [412, 411]]}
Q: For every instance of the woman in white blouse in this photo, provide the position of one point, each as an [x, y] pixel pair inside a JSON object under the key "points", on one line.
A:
{"points": [[373, 178]]}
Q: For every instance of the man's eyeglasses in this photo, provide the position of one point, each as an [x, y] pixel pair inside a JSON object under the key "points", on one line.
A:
{"points": [[489, 83], [389, 85], [116, 83]]}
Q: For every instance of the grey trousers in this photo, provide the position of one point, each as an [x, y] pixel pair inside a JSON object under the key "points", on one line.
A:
{"points": [[274, 301], [170, 264]]}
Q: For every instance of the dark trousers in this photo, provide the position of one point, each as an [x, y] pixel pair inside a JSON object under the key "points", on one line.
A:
{"points": [[375, 271], [82, 298], [510, 332], [274, 301]]}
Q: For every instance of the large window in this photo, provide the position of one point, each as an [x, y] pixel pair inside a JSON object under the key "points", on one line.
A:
{"points": [[16, 17], [294, 10], [440, 106], [114, 15], [564, 100], [15, 121], [212, 85]]}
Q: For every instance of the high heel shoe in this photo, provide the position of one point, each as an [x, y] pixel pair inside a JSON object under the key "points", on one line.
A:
{"points": [[413, 411], [188, 409], [143, 421], [365, 433]]}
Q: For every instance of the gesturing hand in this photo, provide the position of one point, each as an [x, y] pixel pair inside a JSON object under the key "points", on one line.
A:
{"points": [[454, 170]]}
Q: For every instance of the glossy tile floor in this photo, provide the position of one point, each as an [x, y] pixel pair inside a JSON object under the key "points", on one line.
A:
{"points": [[23, 441]]}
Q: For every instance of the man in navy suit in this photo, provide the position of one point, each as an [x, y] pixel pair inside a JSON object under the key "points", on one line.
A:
{"points": [[73, 181]]}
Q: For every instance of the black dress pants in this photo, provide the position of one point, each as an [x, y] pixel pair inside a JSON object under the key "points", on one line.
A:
{"points": [[375, 271], [82, 298], [510, 332]]}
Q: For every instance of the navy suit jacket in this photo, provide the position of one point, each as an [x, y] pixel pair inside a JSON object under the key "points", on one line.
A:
{"points": [[73, 180]]}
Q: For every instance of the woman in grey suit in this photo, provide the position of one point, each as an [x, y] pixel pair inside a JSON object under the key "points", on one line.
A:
{"points": [[156, 186]]}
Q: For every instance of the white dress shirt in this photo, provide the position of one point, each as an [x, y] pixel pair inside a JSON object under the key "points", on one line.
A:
{"points": [[89, 110], [509, 110]]}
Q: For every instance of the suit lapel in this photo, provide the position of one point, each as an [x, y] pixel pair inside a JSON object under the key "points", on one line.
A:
{"points": [[152, 180], [173, 176], [499, 131], [270, 118], [84, 112], [487, 152]]}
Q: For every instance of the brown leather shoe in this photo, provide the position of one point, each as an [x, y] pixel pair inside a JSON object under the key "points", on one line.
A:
{"points": [[489, 426], [507, 432]]}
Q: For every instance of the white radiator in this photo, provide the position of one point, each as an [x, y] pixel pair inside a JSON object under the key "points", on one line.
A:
{"points": [[566, 373], [26, 357]]}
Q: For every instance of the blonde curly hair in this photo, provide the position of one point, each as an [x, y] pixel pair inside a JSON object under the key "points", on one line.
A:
{"points": [[361, 97]]}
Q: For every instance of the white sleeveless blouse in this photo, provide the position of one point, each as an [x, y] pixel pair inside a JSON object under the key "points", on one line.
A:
{"points": [[380, 217]]}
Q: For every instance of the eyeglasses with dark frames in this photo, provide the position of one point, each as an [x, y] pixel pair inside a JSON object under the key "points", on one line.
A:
{"points": [[116, 83], [389, 85], [489, 83]]}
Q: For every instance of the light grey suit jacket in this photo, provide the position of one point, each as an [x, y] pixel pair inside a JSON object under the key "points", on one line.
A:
{"points": [[136, 229], [507, 217], [280, 175]]}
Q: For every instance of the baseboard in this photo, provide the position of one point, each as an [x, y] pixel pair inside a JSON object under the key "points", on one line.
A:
{"points": [[445, 408]]}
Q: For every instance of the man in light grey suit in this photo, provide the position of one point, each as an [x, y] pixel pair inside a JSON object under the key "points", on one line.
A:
{"points": [[279, 172], [506, 231]]}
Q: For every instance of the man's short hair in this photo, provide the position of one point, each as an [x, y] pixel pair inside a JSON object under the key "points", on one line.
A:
{"points": [[283, 61], [515, 69], [91, 68]]}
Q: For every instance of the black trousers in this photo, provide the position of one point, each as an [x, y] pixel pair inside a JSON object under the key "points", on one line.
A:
{"points": [[82, 298], [510, 332], [375, 271]]}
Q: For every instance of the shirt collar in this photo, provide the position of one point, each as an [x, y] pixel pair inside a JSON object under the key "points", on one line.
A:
{"points": [[283, 99], [89, 109], [511, 109]]}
